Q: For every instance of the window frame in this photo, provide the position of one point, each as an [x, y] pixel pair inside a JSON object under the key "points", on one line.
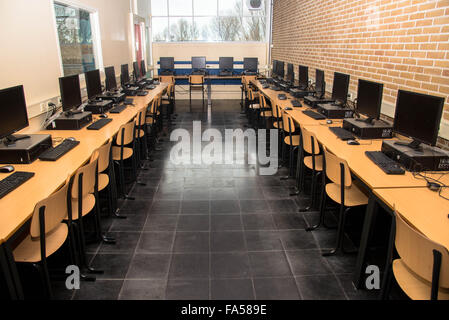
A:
{"points": [[96, 33], [267, 16]]}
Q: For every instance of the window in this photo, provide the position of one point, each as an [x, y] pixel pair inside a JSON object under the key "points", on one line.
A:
{"points": [[76, 40], [207, 20]]}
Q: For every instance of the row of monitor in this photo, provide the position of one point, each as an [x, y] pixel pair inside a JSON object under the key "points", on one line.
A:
{"points": [[418, 116], [13, 110], [199, 64]]}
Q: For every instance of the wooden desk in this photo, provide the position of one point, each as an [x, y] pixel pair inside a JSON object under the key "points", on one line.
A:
{"points": [[17, 207]]}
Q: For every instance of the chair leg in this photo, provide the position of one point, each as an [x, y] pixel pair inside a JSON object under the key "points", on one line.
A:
{"points": [[322, 211], [42, 268], [340, 233], [386, 284]]}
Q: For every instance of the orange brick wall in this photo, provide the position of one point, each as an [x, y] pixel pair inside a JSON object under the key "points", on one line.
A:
{"points": [[403, 44]]}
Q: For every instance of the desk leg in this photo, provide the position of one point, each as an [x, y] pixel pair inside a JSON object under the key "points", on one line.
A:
{"points": [[209, 93], [366, 233], [4, 269], [13, 271]]}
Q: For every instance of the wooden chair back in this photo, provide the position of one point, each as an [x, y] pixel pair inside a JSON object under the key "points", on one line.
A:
{"points": [[88, 172], [309, 142], [288, 123], [167, 79], [334, 169], [125, 135], [104, 156], [196, 79]]}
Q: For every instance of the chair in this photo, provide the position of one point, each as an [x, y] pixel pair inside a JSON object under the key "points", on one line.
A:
{"points": [[152, 121], [265, 112], [124, 150], [341, 190], [311, 158], [253, 107], [422, 270], [47, 235], [141, 136], [196, 83], [290, 139], [168, 103]]}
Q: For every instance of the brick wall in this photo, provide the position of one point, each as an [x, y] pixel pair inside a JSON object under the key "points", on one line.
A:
{"points": [[403, 44]]}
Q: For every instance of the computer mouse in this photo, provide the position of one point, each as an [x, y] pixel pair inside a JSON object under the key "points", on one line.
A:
{"points": [[104, 116], [71, 139], [433, 186], [330, 122], [353, 143], [7, 169], [288, 108]]}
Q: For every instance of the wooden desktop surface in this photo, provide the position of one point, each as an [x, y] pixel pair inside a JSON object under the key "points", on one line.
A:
{"points": [[17, 207], [423, 208]]}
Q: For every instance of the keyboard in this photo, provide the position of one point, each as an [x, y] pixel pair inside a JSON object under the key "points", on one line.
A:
{"points": [[282, 97], [314, 115], [128, 101], [389, 166], [296, 104], [14, 181], [342, 134], [54, 154], [151, 87], [275, 88], [99, 124], [142, 93], [118, 109]]}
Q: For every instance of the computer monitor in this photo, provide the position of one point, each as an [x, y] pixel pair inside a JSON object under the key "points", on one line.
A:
{"points": [[70, 92], [250, 64], [143, 69], [167, 63], [303, 77], [226, 64], [198, 63], [275, 68], [125, 74], [281, 69], [340, 88], [290, 73], [111, 81], [369, 99], [136, 71], [418, 116], [320, 84], [93, 84], [13, 112]]}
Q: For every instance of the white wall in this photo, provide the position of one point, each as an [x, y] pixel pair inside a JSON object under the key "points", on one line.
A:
{"points": [[30, 54]]}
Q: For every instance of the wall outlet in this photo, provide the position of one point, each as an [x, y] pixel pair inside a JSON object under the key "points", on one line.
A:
{"points": [[44, 106]]}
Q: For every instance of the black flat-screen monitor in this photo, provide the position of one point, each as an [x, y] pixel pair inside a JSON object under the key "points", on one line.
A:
{"points": [[13, 111], [125, 74], [303, 76], [341, 87], [250, 64], [290, 73], [226, 63], [136, 71], [280, 69], [320, 84], [93, 84], [143, 68], [167, 63], [111, 81], [70, 92], [369, 98], [275, 67], [418, 116], [199, 63]]}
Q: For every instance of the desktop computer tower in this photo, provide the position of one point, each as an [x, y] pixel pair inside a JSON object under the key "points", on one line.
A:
{"points": [[115, 97], [130, 91], [313, 102], [429, 159], [25, 151], [71, 122], [298, 93], [335, 112], [378, 130], [98, 107]]}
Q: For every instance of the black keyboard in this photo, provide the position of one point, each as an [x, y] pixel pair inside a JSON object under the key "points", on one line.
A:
{"points": [[57, 152], [142, 93], [389, 166], [282, 97], [14, 181], [99, 124], [296, 104], [342, 134], [128, 101], [314, 115], [151, 87], [275, 88], [117, 109]]}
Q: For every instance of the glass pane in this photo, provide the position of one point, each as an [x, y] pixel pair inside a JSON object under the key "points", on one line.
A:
{"points": [[248, 12], [207, 28], [230, 7], [75, 39], [159, 8], [180, 8], [182, 29], [229, 28], [205, 7], [160, 29], [254, 28]]}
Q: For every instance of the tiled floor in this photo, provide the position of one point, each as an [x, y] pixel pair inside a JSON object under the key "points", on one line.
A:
{"points": [[216, 232]]}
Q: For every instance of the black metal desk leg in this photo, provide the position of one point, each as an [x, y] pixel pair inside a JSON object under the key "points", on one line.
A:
{"points": [[4, 269], [13, 271], [367, 228], [209, 93]]}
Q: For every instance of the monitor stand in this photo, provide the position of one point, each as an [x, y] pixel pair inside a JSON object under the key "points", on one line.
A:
{"points": [[12, 139], [368, 120], [414, 145]]}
